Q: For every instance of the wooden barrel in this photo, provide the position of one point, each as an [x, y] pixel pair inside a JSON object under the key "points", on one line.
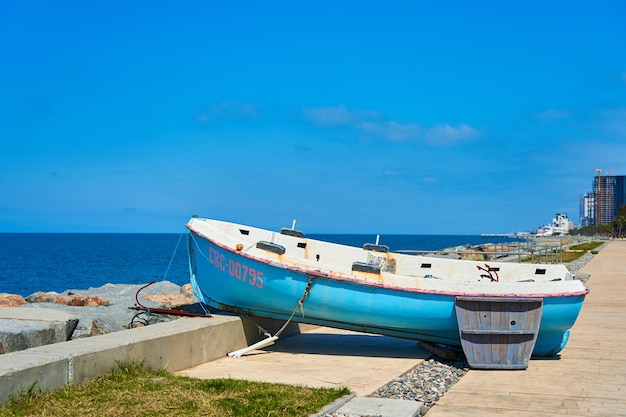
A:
{"points": [[498, 332]]}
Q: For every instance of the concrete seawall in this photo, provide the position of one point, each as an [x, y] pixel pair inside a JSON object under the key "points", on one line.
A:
{"points": [[172, 346]]}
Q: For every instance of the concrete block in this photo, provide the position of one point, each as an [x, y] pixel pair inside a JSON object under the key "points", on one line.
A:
{"points": [[173, 346], [103, 325], [23, 328], [383, 407], [20, 370]]}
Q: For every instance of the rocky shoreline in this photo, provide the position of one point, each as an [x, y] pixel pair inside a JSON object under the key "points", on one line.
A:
{"points": [[108, 308]]}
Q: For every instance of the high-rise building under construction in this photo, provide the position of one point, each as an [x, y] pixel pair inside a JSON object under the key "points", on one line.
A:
{"points": [[601, 205]]}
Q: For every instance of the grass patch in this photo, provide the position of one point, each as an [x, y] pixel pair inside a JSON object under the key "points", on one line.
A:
{"points": [[587, 246], [574, 252], [567, 257], [571, 256], [134, 390]]}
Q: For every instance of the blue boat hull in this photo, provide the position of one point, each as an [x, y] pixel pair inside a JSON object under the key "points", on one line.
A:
{"points": [[231, 281]]}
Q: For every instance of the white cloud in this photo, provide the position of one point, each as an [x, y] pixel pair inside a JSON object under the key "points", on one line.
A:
{"points": [[338, 116], [228, 110], [554, 114], [371, 124], [391, 130], [448, 135], [328, 116]]}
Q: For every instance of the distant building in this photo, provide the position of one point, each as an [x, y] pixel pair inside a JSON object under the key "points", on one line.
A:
{"points": [[560, 226], [603, 203], [587, 204]]}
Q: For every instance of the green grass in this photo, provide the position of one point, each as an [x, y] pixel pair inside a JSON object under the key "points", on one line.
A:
{"points": [[587, 246], [133, 390], [574, 252], [567, 257], [571, 256]]}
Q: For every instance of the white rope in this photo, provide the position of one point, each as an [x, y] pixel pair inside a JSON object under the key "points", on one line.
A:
{"points": [[167, 270], [299, 306], [271, 339]]}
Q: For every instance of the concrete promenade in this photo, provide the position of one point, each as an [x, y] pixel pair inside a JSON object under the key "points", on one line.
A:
{"points": [[589, 378], [321, 357]]}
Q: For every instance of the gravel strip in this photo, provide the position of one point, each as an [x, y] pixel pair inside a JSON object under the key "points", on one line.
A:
{"points": [[427, 382]]}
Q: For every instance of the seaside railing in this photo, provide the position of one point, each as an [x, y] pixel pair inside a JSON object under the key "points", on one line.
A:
{"points": [[533, 252]]}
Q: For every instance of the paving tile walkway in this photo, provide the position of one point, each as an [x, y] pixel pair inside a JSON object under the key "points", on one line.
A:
{"points": [[322, 357], [589, 378]]}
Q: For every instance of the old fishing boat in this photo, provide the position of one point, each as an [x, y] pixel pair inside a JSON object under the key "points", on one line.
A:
{"points": [[249, 270]]}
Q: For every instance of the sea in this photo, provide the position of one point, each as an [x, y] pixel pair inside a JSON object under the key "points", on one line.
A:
{"points": [[32, 262]]}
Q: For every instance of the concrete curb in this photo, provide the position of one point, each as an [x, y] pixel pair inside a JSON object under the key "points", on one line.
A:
{"points": [[382, 407], [334, 406], [172, 346]]}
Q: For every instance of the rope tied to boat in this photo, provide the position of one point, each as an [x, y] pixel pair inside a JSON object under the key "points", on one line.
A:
{"points": [[145, 315], [271, 339], [300, 305]]}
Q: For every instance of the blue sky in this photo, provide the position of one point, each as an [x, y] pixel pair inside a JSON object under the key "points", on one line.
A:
{"points": [[447, 117]]}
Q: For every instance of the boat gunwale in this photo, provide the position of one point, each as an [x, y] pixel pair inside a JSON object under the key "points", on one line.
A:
{"points": [[321, 274]]}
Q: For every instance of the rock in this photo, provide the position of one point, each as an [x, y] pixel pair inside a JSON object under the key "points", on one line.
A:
{"points": [[188, 291], [176, 300], [11, 300], [109, 304], [24, 328], [103, 326], [106, 309], [427, 382], [70, 299], [42, 297], [82, 300], [172, 300], [473, 256]]}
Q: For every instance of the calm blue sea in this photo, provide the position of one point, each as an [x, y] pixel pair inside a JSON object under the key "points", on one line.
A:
{"points": [[31, 262]]}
